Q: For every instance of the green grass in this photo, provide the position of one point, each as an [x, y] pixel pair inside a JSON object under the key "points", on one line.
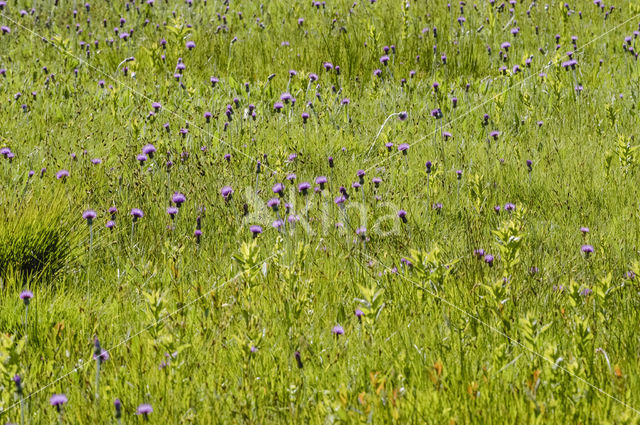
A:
{"points": [[207, 332]]}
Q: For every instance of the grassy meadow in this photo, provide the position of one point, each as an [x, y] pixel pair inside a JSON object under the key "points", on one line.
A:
{"points": [[319, 212]]}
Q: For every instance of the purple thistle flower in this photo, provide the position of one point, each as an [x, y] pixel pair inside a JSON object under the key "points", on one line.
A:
{"points": [[304, 187], [337, 330], [278, 189], [403, 148], [172, 211], [190, 45], [58, 400], [62, 175], [149, 150], [26, 296], [89, 215], [226, 192], [117, 404], [136, 213], [587, 250], [321, 181], [110, 224], [144, 409], [273, 203], [584, 230], [255, 230], [489, 259], [403, 215], [102, 357], [178, 199]]}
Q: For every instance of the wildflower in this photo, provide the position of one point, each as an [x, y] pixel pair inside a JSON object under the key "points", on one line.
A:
{"points": [[359, 314], [402, 214], [149, 150], [337, 330], [403, 148], [136, 213], [26, 296], [321, 181], [587, 250], [489, 259], [117, 404], [172, 211], [58, 400], [142, 158], [62, 175], [89, 215], [273, 203], [144, 409], [304, 187], [255, 230], [17, 380], [178, 198]]}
